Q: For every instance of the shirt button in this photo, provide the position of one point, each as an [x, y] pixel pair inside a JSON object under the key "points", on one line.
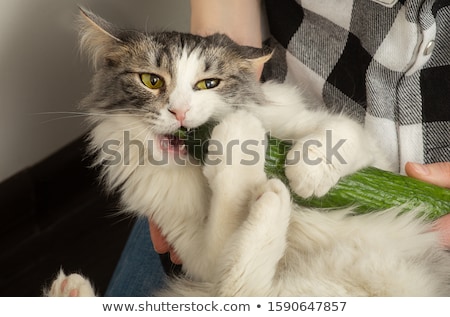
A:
{"points": [[429, 48]]}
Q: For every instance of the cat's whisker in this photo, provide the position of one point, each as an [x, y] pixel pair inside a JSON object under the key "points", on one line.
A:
{"points": [[62, 118], [146, 129], [146, 26], [122, 112], [149, 131], [75, 114], [136, 136], [131, 110], [132, 125]]}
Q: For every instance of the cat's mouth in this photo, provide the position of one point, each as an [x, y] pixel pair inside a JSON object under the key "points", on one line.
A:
{"points": [[172, 144]]}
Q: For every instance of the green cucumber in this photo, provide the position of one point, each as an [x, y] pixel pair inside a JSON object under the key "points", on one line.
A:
{"points": [[367, 190]]}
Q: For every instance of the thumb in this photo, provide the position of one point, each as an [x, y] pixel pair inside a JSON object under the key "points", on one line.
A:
{"points": [[436, 173]]}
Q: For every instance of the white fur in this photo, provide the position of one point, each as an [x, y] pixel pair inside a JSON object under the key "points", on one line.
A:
{"points": [[74, 285], [166, 192], [252, 241], [283, 250], [237, 232]]}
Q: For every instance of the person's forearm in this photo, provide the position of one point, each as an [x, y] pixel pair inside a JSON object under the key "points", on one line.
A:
{"points": [[239, 19]]}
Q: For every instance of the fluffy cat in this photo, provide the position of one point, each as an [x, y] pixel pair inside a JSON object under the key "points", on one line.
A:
{"points": [[236, 231]]}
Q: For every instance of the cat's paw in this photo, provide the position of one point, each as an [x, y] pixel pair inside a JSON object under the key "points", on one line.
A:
{"points": [[272, 199], [237, 145], [310, 169], [237, 129], [73, 285]]}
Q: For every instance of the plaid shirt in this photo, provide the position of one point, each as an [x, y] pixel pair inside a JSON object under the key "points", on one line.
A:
{"points": [[386, 63]]}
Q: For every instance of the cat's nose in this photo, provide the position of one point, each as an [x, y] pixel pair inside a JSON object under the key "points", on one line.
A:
{"points": [[179, 114]]}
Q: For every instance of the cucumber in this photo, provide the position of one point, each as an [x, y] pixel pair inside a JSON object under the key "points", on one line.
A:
{"points": [[367, 190]]}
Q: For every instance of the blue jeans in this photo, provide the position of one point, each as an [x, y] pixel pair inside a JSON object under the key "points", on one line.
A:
{"points": [[139, 271]]}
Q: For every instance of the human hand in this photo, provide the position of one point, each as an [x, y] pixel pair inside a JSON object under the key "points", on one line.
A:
{"points": [[160, 243], [438, 174]]}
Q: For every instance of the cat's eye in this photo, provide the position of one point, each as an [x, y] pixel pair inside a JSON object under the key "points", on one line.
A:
{"points": [[207, 83], [152, 81]]}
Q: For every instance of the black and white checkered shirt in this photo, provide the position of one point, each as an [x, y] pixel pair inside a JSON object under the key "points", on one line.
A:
{"points": [[385, 62]]}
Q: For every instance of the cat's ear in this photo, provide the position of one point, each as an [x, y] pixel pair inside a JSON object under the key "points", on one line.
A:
{"points": [[97, 37], [257, 63]]}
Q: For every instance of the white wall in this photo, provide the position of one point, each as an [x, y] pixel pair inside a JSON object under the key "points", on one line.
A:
{"points": [[41, 70]]}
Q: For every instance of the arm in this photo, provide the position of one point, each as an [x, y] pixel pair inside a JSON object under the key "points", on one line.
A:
{"points": [[240, 20]]}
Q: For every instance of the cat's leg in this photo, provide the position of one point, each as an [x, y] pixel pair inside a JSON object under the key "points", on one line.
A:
{"points": [[73, 285], [326, 146], [337, 147], [249, 262], [234, 168]]}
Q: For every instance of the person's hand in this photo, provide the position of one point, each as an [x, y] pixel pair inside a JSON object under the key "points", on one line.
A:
{"points": [[438, 174], [160, 244]]}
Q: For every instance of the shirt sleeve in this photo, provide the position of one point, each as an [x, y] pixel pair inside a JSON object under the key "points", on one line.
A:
{"points": [[385, 65]]}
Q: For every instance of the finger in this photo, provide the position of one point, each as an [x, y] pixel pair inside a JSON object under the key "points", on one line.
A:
{"points": [[174, 257], [159, 241], [442, 225], [436, 173]]}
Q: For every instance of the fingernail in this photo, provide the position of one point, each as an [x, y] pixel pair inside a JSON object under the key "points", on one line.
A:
{"points": [[421, 169]]}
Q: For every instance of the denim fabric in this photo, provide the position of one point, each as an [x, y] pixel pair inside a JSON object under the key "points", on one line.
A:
{"points": [[139, 271]]}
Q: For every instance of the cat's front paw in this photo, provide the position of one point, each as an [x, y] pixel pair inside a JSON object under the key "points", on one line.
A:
{"points": [[310, 170], [237, 129], [73, 285], [237, 146]]}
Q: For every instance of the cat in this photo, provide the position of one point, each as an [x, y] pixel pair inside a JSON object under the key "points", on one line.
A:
{"points": [[237, 231]]}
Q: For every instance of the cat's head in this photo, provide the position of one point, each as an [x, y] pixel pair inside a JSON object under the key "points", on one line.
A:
{"points": [[165, 80]]}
